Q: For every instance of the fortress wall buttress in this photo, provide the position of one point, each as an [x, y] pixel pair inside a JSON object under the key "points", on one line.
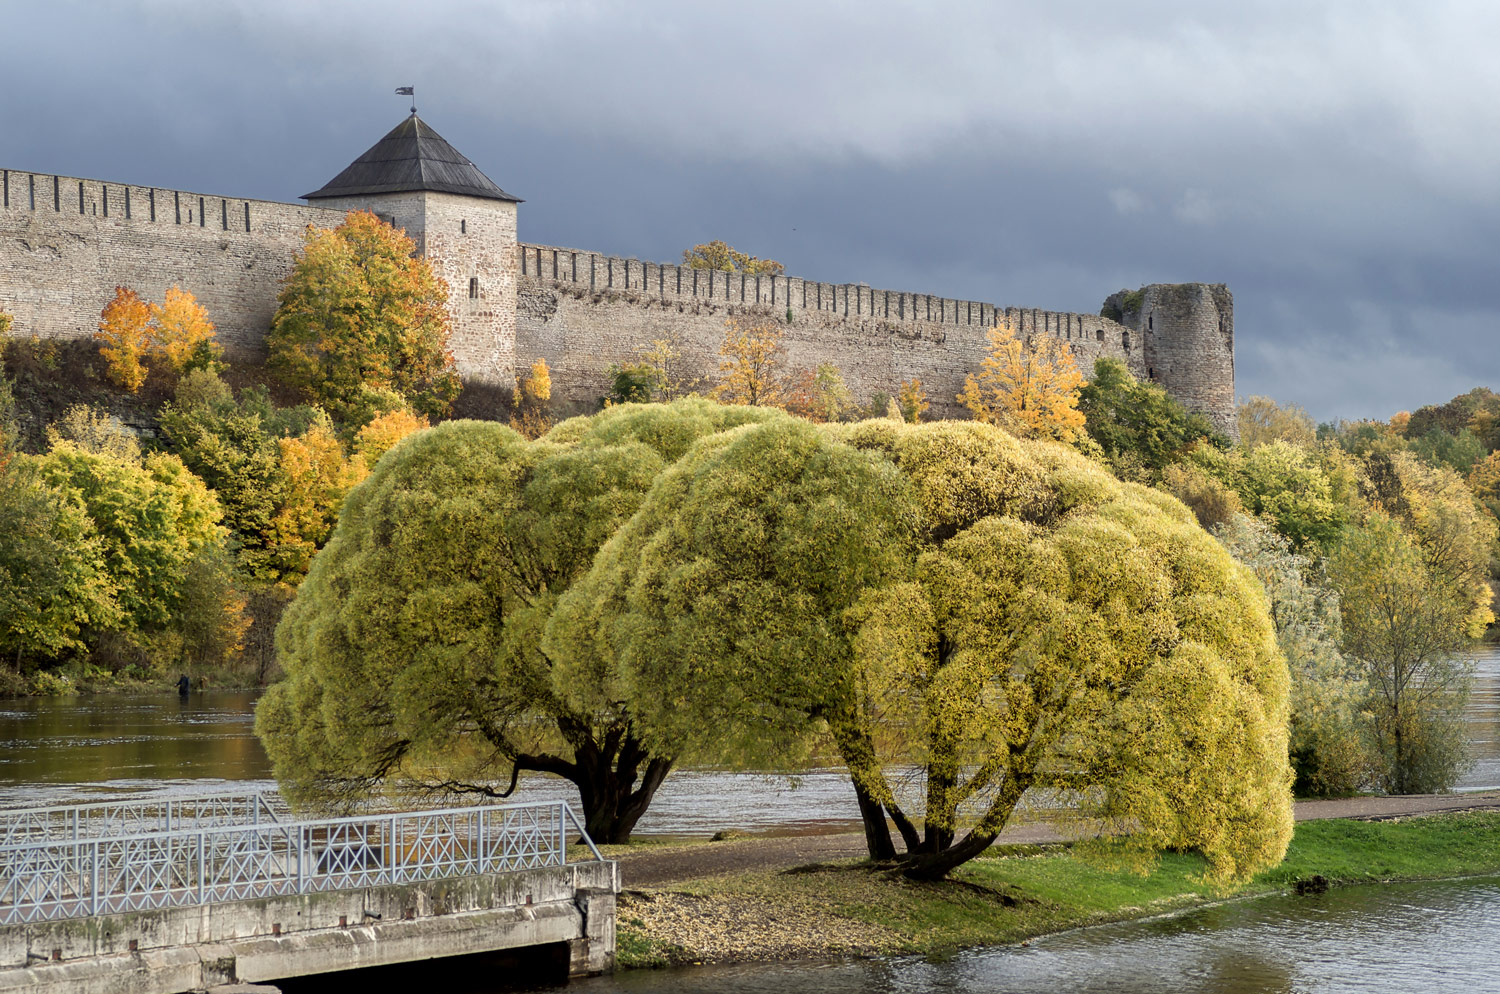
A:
{"points": [[581, 312], [66, 243]]}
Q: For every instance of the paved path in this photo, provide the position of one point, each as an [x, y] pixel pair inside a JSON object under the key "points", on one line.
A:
{"points": [[658, 867]]}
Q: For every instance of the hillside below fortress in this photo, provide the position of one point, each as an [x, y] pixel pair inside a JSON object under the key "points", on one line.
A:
{"points": [[66, 243]]}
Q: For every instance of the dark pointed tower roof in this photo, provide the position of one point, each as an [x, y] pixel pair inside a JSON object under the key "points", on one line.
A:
{"points": [[411, 158]]}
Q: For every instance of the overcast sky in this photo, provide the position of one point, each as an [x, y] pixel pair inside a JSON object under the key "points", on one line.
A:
{"points": [[1337, 164]]}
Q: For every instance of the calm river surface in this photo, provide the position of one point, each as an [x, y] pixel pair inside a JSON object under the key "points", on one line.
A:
{"points": [[1431, 937], [61, 750]]}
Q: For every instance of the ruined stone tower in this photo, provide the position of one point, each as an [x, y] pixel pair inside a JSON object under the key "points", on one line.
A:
{"points": [[461, 221], [1187, 343]]}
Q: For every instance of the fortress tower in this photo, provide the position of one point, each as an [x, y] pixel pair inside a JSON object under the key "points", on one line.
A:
{"points": [[460, 220], [1187, 343], [67, 242]]}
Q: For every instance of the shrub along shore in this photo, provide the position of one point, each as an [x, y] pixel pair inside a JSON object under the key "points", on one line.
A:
{"points": [[1014, 893]]}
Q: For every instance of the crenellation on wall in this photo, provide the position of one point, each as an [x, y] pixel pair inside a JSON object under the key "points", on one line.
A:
{"points": [[878, 338], [69, 241]]}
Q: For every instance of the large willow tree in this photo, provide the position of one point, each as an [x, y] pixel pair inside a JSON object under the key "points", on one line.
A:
{"points": [[412, 650], [1004, 614]]}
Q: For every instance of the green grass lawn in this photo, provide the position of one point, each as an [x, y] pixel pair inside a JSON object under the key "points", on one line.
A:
{"points": [[1015, 893]]}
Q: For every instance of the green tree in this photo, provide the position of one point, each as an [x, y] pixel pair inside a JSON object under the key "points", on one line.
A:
{"points": [[1002, 613], [1139, 426], [1460, 451], [54, 590], [1308, 495], [362, 310], [412, 650], [1408, 626], [1329, 693], [232, 445], [151, 521], [631, 384]]}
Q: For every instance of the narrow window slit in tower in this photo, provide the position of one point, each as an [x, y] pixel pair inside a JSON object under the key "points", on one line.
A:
{"points": [[151, 200], [463, 227], [127, 203], [80, 198], [7, 188], [57, 194], [31, 190], [200, 212], [177, 203], [224, 214], [247, 215], [473, 287], [104, 195]]}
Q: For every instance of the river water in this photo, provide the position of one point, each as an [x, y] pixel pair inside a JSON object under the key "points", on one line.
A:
{"points": [[61, 750], [1430, 937]]}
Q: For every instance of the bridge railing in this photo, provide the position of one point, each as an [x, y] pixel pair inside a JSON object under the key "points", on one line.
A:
{"points": [[139, 815], [47, 879]]}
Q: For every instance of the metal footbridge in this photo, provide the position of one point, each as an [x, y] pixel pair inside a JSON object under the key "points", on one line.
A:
{"points": [[141, 860]]}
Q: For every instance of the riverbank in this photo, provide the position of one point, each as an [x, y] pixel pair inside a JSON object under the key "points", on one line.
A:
{"points": [[1011, 894], [75, 679]]}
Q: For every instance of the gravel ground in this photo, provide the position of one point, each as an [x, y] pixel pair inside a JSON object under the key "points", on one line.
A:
{"points": [[658, 867], [723, 929]]}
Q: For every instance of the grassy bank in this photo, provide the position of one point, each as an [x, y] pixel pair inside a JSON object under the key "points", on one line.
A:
{"points": [[1012, 894]]}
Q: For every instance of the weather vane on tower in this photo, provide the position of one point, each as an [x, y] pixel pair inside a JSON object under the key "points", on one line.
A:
{"points": [[409, 91]]}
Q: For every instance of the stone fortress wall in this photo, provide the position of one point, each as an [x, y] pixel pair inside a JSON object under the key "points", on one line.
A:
{"points": [[66, 243], [582, 311]]}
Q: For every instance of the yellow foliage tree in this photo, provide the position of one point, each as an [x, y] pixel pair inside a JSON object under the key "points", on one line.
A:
{"points": [[318, 476], [182, 328], [750, 372], [125, 334], [381, 435], [5, 323], [536, 389], [1027, 386], [718, 255], [533, 394], [1261, 420], [665, 360], [913, 401]]}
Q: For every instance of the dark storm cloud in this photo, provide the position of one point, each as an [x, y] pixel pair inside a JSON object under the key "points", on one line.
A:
{"points": [[1333, 163]]}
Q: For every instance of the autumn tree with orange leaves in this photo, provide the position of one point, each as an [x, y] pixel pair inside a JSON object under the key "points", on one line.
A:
{"points": [[125, 335], [134, 333], [361, 311], [1029, 386]]}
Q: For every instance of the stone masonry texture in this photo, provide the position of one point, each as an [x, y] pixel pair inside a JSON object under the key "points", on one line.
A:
{"points": [[66, 243]]}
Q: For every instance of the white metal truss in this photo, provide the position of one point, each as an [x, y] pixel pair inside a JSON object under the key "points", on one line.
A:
{"points": [[134, 816], [201, 861]]}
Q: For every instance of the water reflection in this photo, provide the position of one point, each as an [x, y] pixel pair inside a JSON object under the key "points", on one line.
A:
{"points": [[1483, 715], [58, 750], [1432, 937]]}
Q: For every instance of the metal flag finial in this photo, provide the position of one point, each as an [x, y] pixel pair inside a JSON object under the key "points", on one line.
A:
{"points": [[409, 91]]}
